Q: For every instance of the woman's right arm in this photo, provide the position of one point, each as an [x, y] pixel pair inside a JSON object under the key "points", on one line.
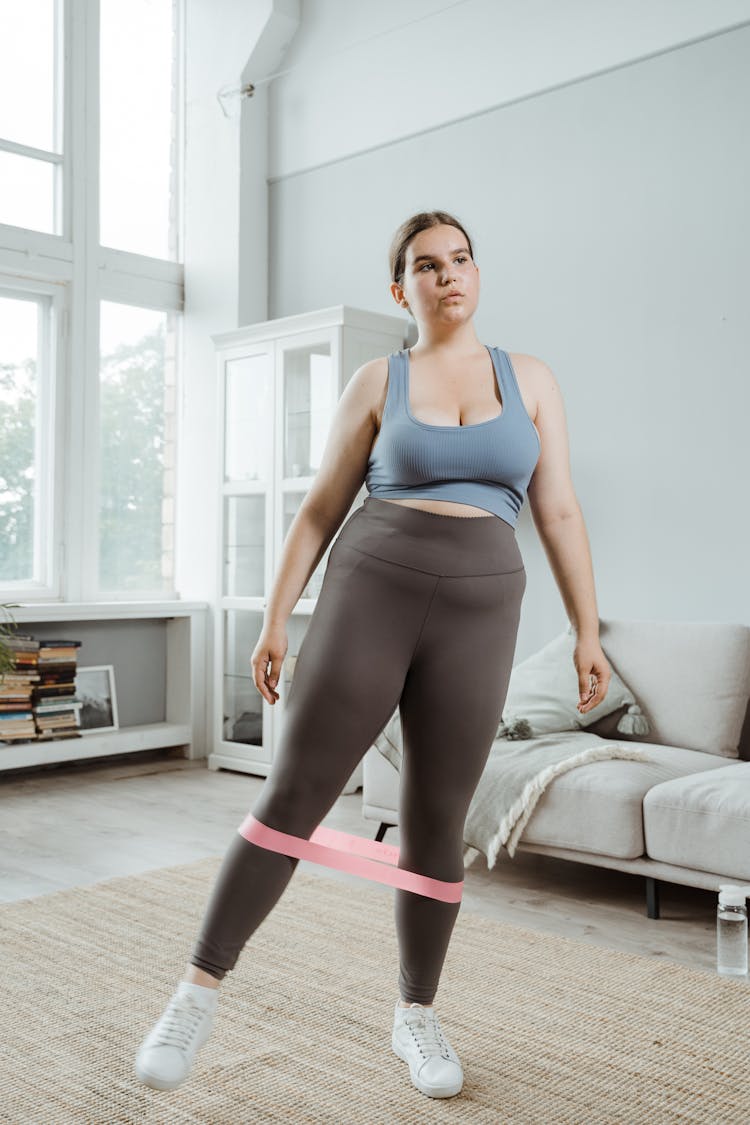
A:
{"points": [[339, 478]]}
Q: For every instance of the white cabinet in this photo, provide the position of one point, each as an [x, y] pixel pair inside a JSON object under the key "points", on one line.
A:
{"points": [[279, 385]]}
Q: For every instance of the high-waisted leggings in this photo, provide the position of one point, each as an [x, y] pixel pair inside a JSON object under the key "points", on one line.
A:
{"points": [[420, 611]]}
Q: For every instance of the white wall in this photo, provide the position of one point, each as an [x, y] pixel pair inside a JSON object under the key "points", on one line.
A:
{"points": [[462, 59], [226, 241], [597, 154], [217, 43]]}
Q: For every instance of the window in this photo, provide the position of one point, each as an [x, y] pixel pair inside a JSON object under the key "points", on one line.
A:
{"points": [[91, 296], [31, 100], [27, 445], [137, 135], [137, 448]]}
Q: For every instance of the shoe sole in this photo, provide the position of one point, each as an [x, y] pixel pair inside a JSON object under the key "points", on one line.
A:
{"points": [[154, 1082], [431, 1091]]}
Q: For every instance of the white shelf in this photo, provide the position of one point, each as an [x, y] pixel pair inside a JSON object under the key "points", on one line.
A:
{"points": [[127, 740], [103, 611], [184, 674]]}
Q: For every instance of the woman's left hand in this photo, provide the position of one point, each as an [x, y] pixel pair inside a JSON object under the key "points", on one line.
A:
{"points": [[593, 674]]}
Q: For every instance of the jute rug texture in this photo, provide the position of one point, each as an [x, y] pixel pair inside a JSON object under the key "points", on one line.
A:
{"points": [[549, 1031]]}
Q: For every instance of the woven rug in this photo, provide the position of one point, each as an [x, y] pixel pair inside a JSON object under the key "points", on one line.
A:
{"points": [[548, 1030]]}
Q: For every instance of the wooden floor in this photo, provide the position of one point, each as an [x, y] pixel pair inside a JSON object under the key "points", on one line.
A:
{"points": [[80, 823]]}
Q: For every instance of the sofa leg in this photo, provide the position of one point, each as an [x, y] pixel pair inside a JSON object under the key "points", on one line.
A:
{"points": [[382, 830], [652, 897]]}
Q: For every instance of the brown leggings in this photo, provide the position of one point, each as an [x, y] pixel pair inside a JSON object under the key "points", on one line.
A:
{"points": [[418, 611]]}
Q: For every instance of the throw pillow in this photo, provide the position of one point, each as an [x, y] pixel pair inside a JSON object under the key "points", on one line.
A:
{"points": [[543, 693]]}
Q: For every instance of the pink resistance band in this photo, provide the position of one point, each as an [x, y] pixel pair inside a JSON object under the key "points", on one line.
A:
{"points": [[343, 851]]}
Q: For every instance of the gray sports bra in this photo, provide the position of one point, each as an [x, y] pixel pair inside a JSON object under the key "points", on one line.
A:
{"points": [[488, 464]]}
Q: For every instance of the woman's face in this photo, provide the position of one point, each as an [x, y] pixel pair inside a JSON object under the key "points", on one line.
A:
{"points": [[438, 262]]}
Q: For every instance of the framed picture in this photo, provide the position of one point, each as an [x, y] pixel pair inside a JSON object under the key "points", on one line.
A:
{"points": [[95, 687]]}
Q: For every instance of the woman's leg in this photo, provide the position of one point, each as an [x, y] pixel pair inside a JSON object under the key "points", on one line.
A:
{"points": [[347, 681], [451, 706]]}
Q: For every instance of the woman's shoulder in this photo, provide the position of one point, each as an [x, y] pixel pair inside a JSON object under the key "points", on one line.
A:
{"points": [[374, 368], [372, 379], [527, 366], [531, 375], [374, 373]]}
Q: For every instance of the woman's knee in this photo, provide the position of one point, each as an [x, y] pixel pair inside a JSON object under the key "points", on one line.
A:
{"points": [[436, 851], [291, 807]]}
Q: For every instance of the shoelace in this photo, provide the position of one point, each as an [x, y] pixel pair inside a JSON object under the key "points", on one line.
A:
{"points": [[179, 1024], [426, 1030]]}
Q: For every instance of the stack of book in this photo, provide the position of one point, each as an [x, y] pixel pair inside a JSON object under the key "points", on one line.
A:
{"points": [[56, 709], [16, 687]]}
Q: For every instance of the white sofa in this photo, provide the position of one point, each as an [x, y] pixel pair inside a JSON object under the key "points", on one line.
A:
{"points": [[683, 816]]}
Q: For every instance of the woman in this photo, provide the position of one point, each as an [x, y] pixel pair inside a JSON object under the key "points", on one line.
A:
{"points": [[419, 609]]}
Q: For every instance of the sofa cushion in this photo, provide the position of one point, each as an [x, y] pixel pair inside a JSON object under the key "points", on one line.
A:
{"points": [[702, 821], [542, 696], [598, 807], [595, 808], [692, 678]]}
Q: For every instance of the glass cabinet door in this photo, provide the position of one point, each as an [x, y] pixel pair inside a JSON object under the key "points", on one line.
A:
{"points": [[290, 504], [243, 703], [248, 418], [244, 545], [308, 399]]}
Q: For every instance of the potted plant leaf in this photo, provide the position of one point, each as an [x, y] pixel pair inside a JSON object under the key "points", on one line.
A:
{"points": [[7, 656]]}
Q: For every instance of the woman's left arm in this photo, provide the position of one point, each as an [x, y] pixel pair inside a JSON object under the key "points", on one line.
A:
{"points": [[560, 525]]}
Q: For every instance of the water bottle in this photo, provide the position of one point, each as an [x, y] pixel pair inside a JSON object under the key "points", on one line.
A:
{"points": [[731, 930]]}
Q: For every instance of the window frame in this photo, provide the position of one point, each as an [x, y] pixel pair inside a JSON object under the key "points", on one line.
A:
{"points": [[76, 273]]}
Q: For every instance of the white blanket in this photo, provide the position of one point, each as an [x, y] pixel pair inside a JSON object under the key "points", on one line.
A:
{"points": [[517, 773]]}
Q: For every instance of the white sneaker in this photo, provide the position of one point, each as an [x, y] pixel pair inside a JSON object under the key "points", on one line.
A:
{"points": [[166, 1054], [419, 1040]]}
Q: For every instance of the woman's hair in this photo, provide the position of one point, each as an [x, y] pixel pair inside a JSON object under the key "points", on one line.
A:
{"points": [[411, 227]]}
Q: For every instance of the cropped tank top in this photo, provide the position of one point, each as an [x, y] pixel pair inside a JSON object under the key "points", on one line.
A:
{"points": [[488, 464]]}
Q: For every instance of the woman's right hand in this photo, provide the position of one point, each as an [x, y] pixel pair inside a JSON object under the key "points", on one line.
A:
{"points": [[271, 649]]}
